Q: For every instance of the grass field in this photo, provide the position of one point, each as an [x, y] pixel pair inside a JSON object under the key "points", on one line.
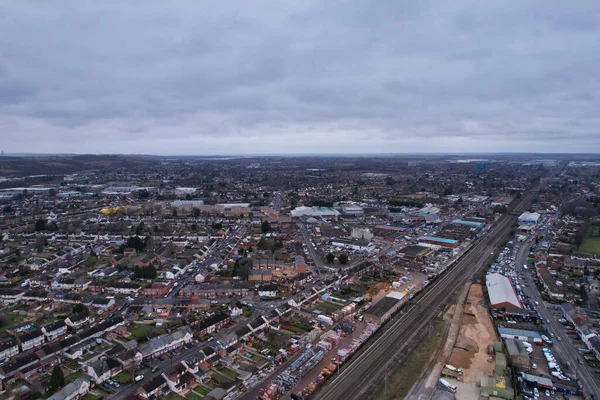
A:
{"points": [[220, 378], [590, 245], [141, 331], [201, 391], [228, 372], [193, 396], [411, 369], [11, 320], [123, 377]]}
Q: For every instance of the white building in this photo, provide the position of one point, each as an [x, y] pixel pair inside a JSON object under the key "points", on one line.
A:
{"points": [[529, 218], [325, 212], [362, 234], [501, 292]]}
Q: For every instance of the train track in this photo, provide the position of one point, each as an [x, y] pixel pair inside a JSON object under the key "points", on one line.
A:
{"points": [[365, 372]]}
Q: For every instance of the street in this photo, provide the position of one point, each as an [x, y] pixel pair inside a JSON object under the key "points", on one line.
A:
{"points": [[564, 348]]}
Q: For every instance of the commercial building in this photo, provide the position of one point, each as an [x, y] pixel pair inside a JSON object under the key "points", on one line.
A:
{"points": [[438, 241], [517, 354], [471, 224], [324, 212], [520, 334], [351, 210], [385, 308], [529, 218], [501, 292]]}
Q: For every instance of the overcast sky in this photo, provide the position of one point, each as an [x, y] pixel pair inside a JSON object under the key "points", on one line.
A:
{"points": [[301, 76]]}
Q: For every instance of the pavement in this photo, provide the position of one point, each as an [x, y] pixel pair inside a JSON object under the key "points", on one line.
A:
{"points": [[564, 349]]}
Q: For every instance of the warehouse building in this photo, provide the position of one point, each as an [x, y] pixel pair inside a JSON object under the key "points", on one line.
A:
{"points": [[470, 224], [324, 212], [351, 210], [520, 334], [438, 241], [529, 218], [501, 292], [517, 354], [385, 308]]}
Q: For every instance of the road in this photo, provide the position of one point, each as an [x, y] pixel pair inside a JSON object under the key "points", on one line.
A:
{"points": [[564, 349], [215, 256], [311, 248]]}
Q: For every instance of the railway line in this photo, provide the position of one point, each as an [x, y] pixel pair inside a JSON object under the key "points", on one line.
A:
{"points": [[366, 371]]}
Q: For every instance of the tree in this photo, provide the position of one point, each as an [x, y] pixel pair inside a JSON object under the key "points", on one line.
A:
{"points": [[91, 261], [57, 380], [329, 257], [39, 242], [140, 228], [583, 294], [148, 272], [40, 225], [8, 209], [80, 308], [343, 258], [174, 212], [265, 227], [195, 212]]}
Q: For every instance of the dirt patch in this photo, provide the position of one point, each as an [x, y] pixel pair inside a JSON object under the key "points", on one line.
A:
{"points": [[469, 319], [466, 343], [460, 358], [476, 334]]}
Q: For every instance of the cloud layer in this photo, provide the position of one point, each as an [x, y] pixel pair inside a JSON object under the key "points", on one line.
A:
{"points": [[201, 77]]}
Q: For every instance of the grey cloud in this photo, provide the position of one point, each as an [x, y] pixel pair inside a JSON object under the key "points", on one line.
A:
{"points": [[360, 76]]}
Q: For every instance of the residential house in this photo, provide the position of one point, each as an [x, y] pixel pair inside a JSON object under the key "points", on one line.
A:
{"points": [[102, 370], [31, 339], [8, 349], [74, 390], [166, 342], [211, 324], [152, 388], [76, 321], [54, 330], [267, 291], [179, 377]]}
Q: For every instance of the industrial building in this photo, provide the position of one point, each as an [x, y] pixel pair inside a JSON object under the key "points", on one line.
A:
{"points": [[501, 292], [517, 354], [471, 224], [325, 212], [438, 241], [351, 210], [385, 308], [415, 252], [529, 218], [520, 334]]}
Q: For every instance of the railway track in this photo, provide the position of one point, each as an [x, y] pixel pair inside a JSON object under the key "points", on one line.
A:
{"points": [[366, 371]]}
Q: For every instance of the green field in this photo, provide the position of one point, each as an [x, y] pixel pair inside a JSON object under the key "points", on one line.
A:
{"points": [[201, 391], [10, 320], [590, 245], [228, 372], [123, 377], [193, 396], [141, 331]]}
